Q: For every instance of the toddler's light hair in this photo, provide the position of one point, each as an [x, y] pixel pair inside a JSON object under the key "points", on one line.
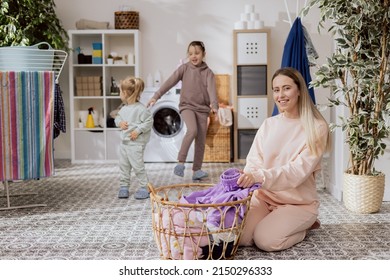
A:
{"points": [[132, 88]]}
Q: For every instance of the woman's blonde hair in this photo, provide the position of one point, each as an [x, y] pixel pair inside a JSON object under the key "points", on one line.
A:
{"points": [[308, 112], [132, 88]]}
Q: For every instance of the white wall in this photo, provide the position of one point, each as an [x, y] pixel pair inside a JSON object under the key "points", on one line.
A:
{"points": [[168, 26]]}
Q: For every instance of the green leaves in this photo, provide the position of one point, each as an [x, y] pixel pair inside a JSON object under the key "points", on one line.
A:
{"points": [[28, 22], [358, 74]]}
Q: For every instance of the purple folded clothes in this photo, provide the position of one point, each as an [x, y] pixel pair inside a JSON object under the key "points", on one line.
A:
{"points": [[226, 190]]}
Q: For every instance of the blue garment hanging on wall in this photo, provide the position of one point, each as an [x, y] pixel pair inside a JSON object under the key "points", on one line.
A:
{"points": [[294, 55]]}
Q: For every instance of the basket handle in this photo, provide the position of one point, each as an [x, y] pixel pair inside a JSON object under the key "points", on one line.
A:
{"points": [[151, 189], [36, 46], [155, 195]]}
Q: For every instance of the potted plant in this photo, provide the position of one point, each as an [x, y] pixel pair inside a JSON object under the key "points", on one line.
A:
{"points": [[110, 59], [358, 74], [26, 23]]}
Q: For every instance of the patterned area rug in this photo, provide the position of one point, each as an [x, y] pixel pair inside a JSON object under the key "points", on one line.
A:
{"points": [[84, 220]]}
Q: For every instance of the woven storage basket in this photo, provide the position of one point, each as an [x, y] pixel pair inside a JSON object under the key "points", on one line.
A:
{"points": [[363, 194], [126, 20], [217, 147], [194, 238]]}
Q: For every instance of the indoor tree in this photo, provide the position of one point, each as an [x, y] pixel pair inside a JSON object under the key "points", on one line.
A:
{"points": [[358, 74], [28, 22]]}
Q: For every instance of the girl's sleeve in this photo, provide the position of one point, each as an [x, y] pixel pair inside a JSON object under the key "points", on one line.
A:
{"points": [[176, 76], [212, 91], [118, 118], [146, 122], [295, 172]]}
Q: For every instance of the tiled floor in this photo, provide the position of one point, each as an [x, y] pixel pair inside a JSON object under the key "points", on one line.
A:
{"points": [[84, 219]]}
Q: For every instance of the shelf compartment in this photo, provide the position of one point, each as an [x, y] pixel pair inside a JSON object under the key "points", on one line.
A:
{"points": [[251, 112], [89, 145], [245, 140], [252, 48], [252, 80]]}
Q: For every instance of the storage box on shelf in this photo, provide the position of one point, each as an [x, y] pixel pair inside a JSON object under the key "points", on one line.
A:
{"points": [[90, 83], [251, 86]]}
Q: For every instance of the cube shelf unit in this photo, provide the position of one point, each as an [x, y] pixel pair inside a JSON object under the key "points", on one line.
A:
{"points": [[251, 86], [90, 86]]}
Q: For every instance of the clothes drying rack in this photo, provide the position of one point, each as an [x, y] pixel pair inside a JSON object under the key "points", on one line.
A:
{"points": [[33, 58], [29, 59]]}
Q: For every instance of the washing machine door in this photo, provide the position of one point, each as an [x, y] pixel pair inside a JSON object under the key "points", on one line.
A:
{"points": [[167, 121], [167, 133]]}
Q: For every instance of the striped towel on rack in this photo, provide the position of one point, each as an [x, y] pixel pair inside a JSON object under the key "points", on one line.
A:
{"points": [[26, 125]]}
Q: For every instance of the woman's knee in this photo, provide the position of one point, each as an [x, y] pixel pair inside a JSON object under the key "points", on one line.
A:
{"points": [[266, 242], [271, 241]]}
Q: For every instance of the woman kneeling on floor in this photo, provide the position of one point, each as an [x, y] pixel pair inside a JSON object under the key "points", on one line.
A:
{"points": [[285, 157]]}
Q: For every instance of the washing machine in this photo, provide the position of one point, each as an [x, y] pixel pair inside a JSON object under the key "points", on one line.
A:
{"points": [[168, 128]]}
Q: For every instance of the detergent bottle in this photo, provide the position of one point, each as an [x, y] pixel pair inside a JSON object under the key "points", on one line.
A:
{"points": [[90, 123]]}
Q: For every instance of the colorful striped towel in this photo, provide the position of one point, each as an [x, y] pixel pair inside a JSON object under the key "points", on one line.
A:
{"points": [[26, 125]]}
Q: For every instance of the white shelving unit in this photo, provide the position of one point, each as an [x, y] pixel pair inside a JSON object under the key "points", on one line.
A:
{"points": [[99, 144], [251, 86]]}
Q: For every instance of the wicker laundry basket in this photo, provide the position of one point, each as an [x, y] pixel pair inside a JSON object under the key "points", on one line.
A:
{"points": [[185, 231]]}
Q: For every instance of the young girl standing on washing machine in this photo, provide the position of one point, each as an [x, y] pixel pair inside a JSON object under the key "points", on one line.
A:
{"points": [[197, 97], [136, 123]]}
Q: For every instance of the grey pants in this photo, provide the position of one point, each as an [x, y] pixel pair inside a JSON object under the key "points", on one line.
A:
{"points": [[132, 158], [196, 123]]}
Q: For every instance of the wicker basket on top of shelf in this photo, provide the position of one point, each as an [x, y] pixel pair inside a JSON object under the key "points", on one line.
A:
{"points": [[126, 20]]}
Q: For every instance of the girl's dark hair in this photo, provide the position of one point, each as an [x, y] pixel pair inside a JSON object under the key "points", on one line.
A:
{"points": [[197, 43]]}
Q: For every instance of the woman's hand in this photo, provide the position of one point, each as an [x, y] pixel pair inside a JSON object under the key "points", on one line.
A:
{"points": [[151, 102], [246, 180]]}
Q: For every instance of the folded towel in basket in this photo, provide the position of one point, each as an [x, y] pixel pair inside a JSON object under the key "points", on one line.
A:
{"points": [[225, 116]]}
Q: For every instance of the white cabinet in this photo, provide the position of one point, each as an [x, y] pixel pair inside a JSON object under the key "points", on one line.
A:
{"points": [[251, 86], [90, 83]]}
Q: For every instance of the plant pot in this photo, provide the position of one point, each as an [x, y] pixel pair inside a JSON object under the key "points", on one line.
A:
{"points": [[362, 193]]}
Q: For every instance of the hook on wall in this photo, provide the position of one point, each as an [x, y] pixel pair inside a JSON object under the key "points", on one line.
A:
{"points": [[297, 11]]}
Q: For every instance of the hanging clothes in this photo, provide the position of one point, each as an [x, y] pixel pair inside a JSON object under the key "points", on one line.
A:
{"points": [[295, 55], [26, 125], [59, 112], [311, 51]]}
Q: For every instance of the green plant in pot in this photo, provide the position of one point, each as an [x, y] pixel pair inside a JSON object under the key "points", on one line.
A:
{"points": [[27, 22], [358, 74]]}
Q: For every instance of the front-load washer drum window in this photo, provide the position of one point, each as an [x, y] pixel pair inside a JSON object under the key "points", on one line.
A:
{"points": [[167, 122]]}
